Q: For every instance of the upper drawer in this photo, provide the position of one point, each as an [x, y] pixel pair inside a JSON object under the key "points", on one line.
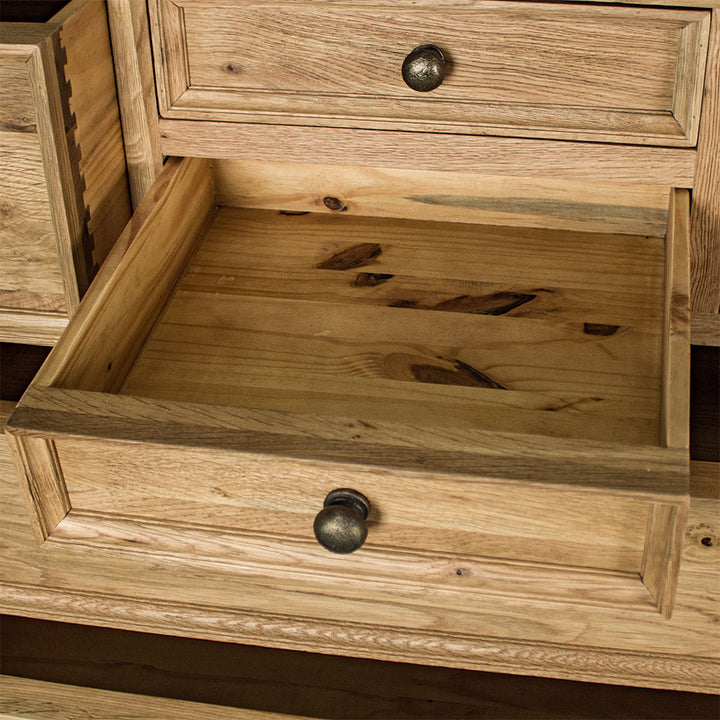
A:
{"points": [[523, 69]]}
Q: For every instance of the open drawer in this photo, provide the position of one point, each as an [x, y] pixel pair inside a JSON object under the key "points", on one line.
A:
{"points": [[513, 402]]}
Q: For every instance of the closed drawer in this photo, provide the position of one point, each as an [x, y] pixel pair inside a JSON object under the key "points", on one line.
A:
{"points": [[600, 73], [62, 181], [511, 401]]}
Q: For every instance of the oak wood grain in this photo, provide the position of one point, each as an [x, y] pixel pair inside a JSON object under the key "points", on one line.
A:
{"points": [[94, 135], [29, 272], [508, 157], [705, 219], [675, 422], [136, 93], [314, 685]]}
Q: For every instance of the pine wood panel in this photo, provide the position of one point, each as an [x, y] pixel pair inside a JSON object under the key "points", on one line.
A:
{"points": [[25, 699], [502, 79], [442, 196], [217, 338], [178, 208]]}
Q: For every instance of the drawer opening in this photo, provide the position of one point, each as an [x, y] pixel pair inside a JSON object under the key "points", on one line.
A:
{"points": [[521, 382]]}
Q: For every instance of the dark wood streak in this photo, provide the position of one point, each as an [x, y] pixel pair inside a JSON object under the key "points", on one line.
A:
{"points": [[371, 279], [498, 303], [460, 374], [599, 330], [548, 208], [351, 257]]}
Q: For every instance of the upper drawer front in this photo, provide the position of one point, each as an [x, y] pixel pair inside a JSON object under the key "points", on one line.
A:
{"points": [[523, 69]]}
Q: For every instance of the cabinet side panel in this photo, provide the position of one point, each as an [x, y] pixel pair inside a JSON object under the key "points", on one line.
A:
{"points": [[29, 272]]}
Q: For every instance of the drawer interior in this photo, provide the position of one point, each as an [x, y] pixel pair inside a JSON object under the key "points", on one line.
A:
{"points": [[504, 394], [452, 325]]}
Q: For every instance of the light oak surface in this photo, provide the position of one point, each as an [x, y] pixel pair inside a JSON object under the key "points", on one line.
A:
{"points": [[229, 61]]}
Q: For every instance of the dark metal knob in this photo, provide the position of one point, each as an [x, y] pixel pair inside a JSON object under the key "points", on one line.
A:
{"points": [[340, 525], [424, 68]]}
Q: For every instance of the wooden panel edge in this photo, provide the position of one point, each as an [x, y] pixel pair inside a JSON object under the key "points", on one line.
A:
{"points": [[64, 205], [167, 23], [675, 408], [380, 568], [491, 654], [690, 75], [705, 218], [132, 55], [81, 357], [93, 133], [663, 552], [705, 329], [671, 167], [602, 467], [41, 479], [29, 699], [31, 327]]}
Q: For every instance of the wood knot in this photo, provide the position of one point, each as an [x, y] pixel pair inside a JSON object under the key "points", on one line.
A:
{"points": [[335, 204], [233, 68]]}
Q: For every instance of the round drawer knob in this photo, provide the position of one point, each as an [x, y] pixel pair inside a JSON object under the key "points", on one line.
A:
{"points": [[424, 68], [340, 525]]}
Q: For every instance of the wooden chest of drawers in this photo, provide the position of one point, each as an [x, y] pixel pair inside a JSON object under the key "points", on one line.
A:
{"points": [[488, 337], [63, 183]]}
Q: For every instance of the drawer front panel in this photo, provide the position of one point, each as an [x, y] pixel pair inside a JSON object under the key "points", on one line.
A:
{"points": [[29, 268], [430, 513], [514, 68]]}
